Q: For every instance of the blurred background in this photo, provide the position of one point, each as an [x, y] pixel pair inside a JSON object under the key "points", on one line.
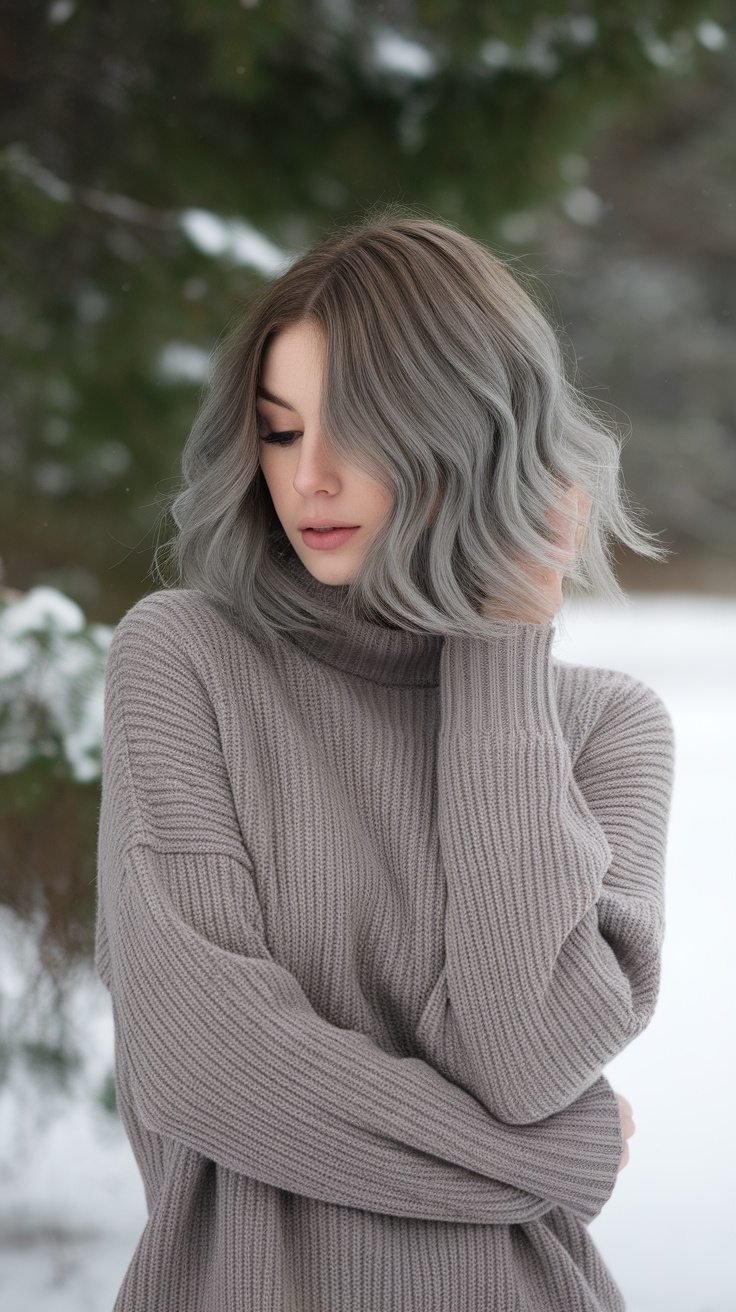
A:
{"points": [[160, 159]]}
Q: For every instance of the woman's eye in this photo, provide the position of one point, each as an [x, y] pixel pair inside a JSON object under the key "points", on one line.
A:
{"points": [[280, 439]]}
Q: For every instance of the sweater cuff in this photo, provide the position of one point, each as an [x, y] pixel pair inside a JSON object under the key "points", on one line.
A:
{"points": [[501, 684], [609, 1140]]}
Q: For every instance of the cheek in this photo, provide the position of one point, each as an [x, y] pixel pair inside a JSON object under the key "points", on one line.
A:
{"points": [[271, 480], [269, 468], [386, 502], [379, 497]]}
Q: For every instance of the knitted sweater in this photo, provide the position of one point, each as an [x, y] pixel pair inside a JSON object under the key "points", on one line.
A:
{"points": [[374, 913]]}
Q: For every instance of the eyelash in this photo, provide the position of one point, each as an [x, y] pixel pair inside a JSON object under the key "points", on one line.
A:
{"points": [[278, 439]]}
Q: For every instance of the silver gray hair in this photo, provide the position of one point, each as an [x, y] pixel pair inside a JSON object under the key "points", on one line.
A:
{"points": [[442, 376]]}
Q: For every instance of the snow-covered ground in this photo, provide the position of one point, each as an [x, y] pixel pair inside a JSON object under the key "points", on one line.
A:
{"points": [[71, 1201]]}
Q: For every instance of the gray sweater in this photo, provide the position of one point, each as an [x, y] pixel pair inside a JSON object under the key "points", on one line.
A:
{"points": [[374, 913]]}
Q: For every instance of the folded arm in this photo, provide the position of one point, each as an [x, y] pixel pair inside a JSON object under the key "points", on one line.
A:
{"points": [[555, 906]]}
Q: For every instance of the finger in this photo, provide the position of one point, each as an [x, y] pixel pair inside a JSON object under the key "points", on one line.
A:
{"points": [[583, 511], [569, 520], [562, 521]]}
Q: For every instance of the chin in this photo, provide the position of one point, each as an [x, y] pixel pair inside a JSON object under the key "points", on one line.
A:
{"points": [[333, 576], [328, 570]]}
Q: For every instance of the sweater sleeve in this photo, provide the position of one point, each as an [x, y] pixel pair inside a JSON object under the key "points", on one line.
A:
{"points": [[223, 1049], [555, 902]]}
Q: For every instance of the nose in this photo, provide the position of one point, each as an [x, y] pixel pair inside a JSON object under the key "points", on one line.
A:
{"points": [[316, 469]]}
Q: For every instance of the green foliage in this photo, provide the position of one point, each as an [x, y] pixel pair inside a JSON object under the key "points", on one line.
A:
{"points": [[296, 115], [48, 831], [51, 1064], [107, 1096]]}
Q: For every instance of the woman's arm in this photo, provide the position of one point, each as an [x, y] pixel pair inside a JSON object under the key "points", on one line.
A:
{"points": [[555, 906], [225, 1052]]}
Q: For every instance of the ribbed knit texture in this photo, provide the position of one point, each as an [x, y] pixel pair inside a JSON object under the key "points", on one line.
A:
{"points": [[374, 914]]}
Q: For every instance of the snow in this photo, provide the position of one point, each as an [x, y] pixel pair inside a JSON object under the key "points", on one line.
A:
{"points": [[182, 362], [538, 55], [71, 1202], [667, 1231], [394, 53], [583, 206], [235, 238], [52, 665], [711, 35]]}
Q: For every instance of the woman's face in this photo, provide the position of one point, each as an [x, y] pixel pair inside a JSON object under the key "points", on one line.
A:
{"points": [[306, 481]]}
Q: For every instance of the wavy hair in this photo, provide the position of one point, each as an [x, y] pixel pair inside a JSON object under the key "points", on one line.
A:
{"points": [[442, 376]]}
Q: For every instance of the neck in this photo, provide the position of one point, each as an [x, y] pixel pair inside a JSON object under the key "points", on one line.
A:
{"points": [[368, 648]]}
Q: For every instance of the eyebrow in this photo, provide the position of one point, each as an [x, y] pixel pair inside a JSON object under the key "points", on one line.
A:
{"points": [[269, 396]]}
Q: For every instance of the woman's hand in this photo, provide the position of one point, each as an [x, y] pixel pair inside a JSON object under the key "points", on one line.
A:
{"points": [[627, 1126], [568, 539]]}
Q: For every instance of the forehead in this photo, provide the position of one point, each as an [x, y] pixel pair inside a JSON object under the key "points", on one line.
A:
{"points": [[294, 355]]}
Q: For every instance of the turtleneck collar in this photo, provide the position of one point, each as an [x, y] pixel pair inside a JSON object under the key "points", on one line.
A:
{"points": [[370, 650]]}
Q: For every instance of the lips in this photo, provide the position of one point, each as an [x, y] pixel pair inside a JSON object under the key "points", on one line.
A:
{"points": [[327, 538], [322, 523]]}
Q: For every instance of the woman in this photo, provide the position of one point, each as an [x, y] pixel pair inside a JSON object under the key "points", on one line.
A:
{"points": [[380, 879]]}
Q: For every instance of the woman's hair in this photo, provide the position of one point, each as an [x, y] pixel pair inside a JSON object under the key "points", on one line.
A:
{"points": [[441, 376]]}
